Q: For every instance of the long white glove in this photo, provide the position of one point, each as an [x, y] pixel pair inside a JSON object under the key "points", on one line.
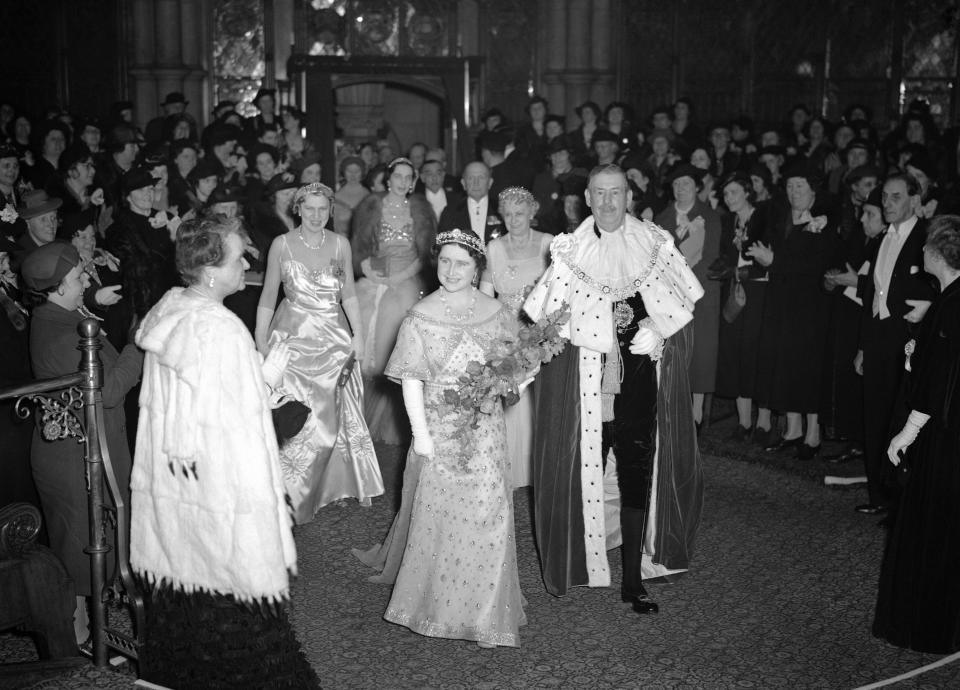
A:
{"points": [[416, 412], [645, 342], [908, 434], [262, 329], [274, 364]]}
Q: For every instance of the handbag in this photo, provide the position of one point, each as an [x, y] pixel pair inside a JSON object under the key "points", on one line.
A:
{"points": [[735, 300]]}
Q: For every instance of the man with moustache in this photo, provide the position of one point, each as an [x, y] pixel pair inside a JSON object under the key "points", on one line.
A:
{"points": [[620, 384]]}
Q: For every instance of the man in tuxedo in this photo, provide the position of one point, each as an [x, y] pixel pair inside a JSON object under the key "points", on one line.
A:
{"points": [[436, 189], [449, 181], [478, 211], [896, 293]]}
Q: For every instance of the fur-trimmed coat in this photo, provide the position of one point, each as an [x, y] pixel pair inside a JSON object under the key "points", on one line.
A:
{"points": [[367, 217], [209, 511]]}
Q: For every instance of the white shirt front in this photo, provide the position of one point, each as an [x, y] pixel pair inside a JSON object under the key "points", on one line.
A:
{"points": [[890, 247], [438, 200], [478, 215]]}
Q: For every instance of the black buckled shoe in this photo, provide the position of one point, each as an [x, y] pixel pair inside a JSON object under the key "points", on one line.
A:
{"points": [[785, 444], [640, 604]]}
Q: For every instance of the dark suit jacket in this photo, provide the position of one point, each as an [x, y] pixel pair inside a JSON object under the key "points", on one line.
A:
{"points": [[455, 195], [908, 281], [458, 216], [451, 185]]}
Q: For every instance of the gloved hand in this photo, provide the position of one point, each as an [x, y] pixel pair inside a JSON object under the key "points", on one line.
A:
{"points": [[274, 364], [906, 437], [413, 401], [645, 342]]}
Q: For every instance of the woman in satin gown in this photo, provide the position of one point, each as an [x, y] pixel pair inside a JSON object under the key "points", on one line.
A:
{"points": [[514, 262], [452, 543], [391, 237], [332, 456]]}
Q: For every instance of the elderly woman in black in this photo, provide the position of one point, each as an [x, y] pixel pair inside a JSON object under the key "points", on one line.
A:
{"points": [[55, 280], [918, 605], [739, 351], [799, 251]]}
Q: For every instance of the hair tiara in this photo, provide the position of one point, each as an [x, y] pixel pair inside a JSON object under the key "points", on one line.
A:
{"points": [[317, 188], [458, 236], [517, 195]]}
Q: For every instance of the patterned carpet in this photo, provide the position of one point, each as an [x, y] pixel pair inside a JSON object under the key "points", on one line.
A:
{"points": [[780, 595]]}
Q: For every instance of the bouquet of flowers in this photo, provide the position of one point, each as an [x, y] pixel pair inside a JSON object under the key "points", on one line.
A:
{"points": [[483, 385]]}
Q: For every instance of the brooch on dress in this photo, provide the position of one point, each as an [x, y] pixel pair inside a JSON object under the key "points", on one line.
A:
{"points": [[622, 316]]}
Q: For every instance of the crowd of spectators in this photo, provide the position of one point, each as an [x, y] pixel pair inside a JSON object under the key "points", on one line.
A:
{"points": [[778, 221]]}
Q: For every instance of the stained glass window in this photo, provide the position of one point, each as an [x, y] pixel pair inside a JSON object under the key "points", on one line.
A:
{"points": [[238, 53], [419, 28]]}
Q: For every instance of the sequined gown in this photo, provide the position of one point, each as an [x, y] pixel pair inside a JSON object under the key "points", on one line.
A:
{"points": [[511, 278], [458, 576], [332, 456], [383, 304]]}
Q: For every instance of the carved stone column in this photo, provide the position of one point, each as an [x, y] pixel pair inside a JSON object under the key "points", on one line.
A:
{"points": [[170, 42], [554, 13]]}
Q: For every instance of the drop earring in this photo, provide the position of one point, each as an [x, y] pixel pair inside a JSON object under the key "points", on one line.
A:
{"points": [[210, 284]]}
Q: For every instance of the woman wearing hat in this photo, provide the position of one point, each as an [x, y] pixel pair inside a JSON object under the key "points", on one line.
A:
{"points": [[332, 456], [739, 344], [53, 138], [143, 246], [581, 139], [695, 227], [617, 117], [183, 161], [39, 211], [102, 269], [55, 281], [793, 345], [74, 183], [294, 145], [273, 214]]}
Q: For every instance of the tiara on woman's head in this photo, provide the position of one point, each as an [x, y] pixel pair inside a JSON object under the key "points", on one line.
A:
{"points": [[458, 236], [317, 188]]}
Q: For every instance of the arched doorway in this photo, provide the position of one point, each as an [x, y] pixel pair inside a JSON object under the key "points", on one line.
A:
{"points": [[399, 111], [448, 82]]}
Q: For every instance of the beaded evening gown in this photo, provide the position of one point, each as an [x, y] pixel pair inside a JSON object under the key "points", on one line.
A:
{"points": [[332, 457], [457, 573], [511, 280], [383, 304]]}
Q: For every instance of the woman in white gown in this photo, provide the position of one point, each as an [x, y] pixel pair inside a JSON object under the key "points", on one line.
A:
{"points": [[457, 573], [332, 456], [514, 263]]}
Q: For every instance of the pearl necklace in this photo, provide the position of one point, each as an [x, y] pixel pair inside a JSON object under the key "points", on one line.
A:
{"points": [[448, 312], [323, 238], [515, 244]]}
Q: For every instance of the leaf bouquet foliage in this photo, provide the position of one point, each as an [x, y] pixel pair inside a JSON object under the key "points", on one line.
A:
{"points": [[484, 385]]}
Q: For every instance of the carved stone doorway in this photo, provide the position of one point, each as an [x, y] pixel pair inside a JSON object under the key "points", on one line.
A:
{"points": [[321, 81]]}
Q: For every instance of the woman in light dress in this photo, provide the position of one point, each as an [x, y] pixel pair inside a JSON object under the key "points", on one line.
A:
{"points": [[392, 233], [332, 456], [514, 263], [350, 193], [452, 543]]}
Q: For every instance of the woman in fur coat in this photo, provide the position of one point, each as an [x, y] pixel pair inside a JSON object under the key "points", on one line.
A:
{"points": [[211, 533], [391, 238]]}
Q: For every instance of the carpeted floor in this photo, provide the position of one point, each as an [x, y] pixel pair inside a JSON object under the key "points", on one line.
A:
{"points": [[780, 595]]}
